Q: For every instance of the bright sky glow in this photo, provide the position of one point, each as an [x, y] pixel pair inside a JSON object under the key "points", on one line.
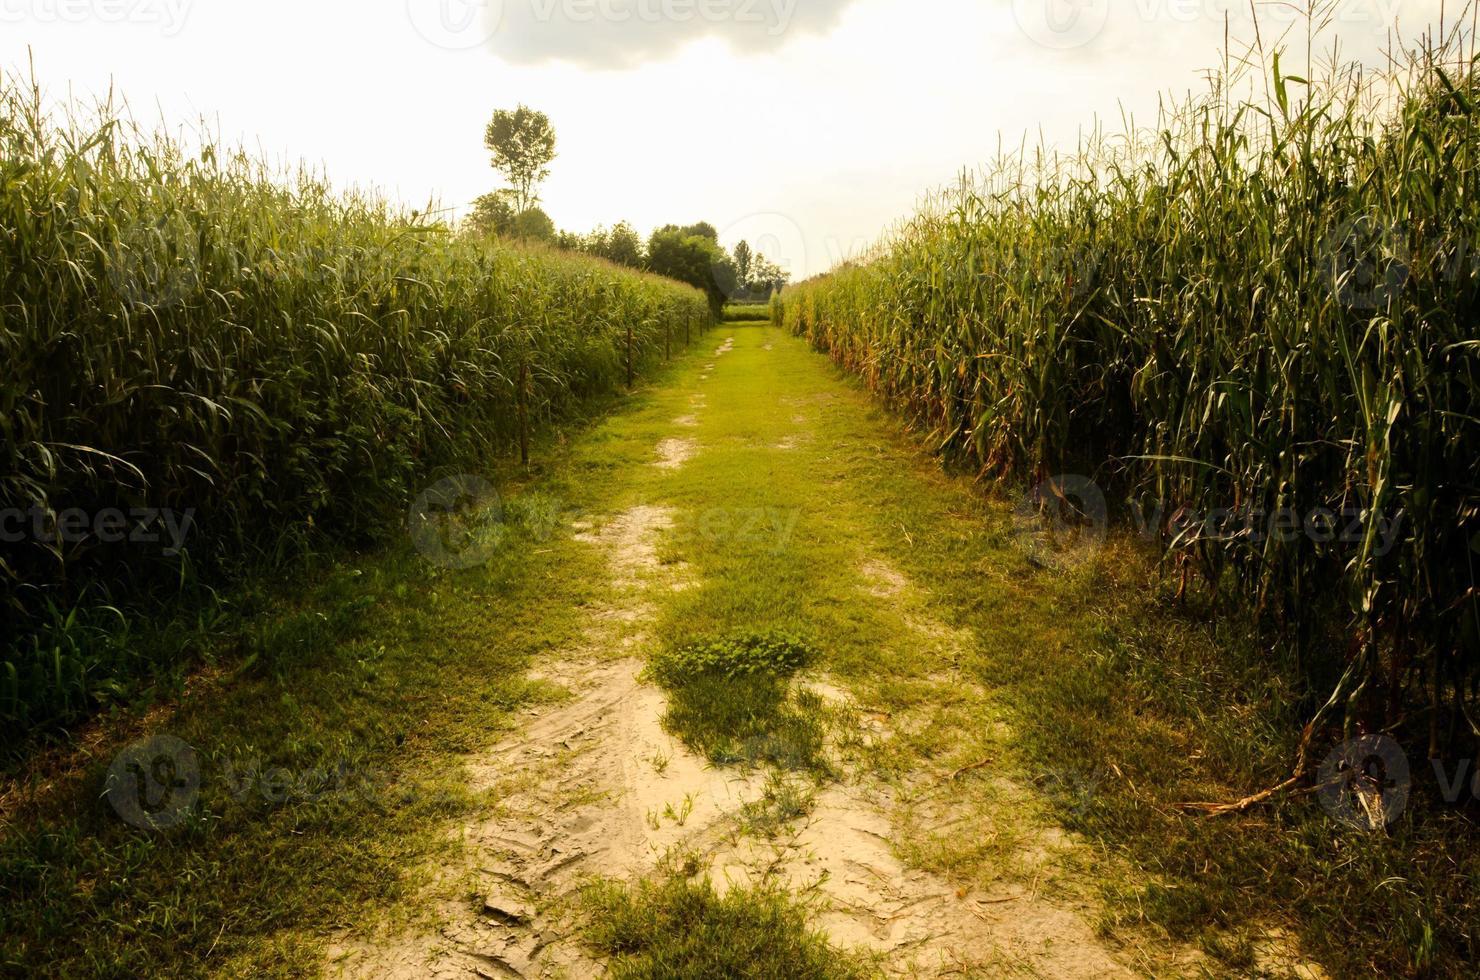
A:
{"points": [[807, 126]]}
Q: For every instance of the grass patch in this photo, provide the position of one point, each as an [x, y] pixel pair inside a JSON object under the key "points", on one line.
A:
{"points": [[680, 927], [734, 701], [773, 655], [783, 801]]}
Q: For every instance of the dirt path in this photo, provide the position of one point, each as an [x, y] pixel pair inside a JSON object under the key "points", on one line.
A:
{"points": [[593, 786]]}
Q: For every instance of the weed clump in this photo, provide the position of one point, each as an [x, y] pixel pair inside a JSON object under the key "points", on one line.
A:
{"points": [[745, 655], [733, 700], [679, 927]]}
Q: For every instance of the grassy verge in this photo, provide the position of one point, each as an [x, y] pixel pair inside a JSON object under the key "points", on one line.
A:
{"points": [[1118, 702], [747, 313], [1086, 681]]}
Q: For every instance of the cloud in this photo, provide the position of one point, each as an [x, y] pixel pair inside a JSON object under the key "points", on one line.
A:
{"points": [[627, 33]]}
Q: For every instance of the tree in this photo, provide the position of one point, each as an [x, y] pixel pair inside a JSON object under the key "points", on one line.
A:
{"points": [[623, 246], [742, 263], [522, 142], [702, 230], [766, 277], [696, 259], [620, 245], [534, 225], [492, 214]]}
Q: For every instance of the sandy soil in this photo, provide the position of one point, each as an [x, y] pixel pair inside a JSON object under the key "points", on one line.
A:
{"points": [[673, 453]]}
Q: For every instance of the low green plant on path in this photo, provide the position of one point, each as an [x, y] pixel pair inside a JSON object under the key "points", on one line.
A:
{"points": [[678, 926], [734, 700]]}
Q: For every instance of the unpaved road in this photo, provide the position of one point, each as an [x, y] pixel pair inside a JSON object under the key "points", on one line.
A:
{"points": [[593, 786]]}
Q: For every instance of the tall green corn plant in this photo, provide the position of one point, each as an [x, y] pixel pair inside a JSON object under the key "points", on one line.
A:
{"points": [[1268, 307], [185, 330]]}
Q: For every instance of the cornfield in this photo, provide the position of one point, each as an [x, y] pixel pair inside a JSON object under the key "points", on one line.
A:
{"points": [[190, 332], [1266, 304]]}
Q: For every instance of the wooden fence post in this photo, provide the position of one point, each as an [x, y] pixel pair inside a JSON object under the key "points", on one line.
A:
{"points": [[524, 413]]}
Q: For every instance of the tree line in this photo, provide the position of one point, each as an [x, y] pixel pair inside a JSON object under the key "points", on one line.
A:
{"points": [[522, 145]]}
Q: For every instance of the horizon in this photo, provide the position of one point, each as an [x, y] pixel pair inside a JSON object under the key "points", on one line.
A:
{"points": [[808, 181]]}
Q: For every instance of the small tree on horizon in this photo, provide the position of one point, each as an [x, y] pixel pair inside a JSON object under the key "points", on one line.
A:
{"points": [[766, 277], [522, 142], [492, 214], [742, 262], [533, 225]]}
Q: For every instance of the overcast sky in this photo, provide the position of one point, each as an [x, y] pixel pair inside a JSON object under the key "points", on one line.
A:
{"points": [[807, 126]]}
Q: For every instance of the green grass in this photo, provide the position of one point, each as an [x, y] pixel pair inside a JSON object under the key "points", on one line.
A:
{"points": [[330, 715], [733, 700], [785, 800], [800, 480], [678, 927], [359, 679]]}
